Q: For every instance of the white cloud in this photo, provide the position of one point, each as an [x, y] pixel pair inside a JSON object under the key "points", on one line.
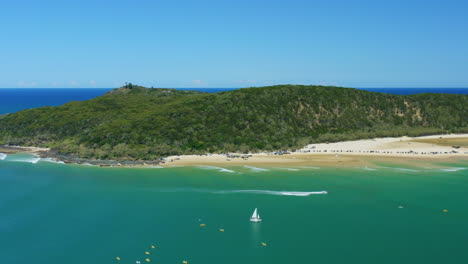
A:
{"points": [[92, 83]]}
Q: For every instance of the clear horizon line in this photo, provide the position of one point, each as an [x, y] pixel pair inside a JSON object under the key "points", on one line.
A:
{"points": [[231, 87]]}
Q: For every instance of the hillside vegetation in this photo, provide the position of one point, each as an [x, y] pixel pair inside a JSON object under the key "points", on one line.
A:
{"points": [[137, 123]]}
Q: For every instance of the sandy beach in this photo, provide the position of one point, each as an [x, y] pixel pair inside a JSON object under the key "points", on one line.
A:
{"points": [[340, 154], [359, 152]]}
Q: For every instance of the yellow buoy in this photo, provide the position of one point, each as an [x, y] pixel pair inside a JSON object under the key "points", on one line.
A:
{"points": [[221, 230], [148, 260], [264, 244], [185, 262], [202, 225], [445, 211], [117, 258], [152, 246], [147, 253]]}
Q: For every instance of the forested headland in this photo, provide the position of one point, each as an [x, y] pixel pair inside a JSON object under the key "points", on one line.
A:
{"points": [[137, 123]]}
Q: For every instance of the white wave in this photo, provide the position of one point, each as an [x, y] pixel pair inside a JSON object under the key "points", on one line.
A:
{"points": [[86, 164], [453, 169], [30, 160], [289, 169], [400, 169], [3, 156], [288, 193], [369, 169], [404, 169], [310, 167], [255, 169], [154, 167], [53, 161], [216, 168]]}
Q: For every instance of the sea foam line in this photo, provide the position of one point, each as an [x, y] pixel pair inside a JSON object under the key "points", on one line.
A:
{"points": [[216, 168], [453, 169], [53, 161], [31, 160], [255, 168], [404, 169], [289, 169]]}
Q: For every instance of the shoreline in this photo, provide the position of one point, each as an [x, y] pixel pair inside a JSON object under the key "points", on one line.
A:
{"points": [[346, 153]]}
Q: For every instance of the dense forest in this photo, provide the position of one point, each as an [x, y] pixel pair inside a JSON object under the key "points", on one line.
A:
{"points": [[137, 123]]}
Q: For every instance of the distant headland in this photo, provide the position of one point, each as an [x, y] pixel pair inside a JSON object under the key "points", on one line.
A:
{"points": [[138, 124]]}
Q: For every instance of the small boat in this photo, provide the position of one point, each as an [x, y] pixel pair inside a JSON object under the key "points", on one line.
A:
{"points": [[255, 217]]}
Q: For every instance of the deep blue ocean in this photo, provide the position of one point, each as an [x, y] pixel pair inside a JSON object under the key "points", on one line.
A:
{"points": [[15, 99]]}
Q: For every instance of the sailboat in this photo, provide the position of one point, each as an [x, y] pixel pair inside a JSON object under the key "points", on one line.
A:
{"points": [[255, 217]]}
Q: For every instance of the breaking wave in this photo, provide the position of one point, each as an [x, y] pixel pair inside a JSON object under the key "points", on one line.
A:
{"points": [[28, 160], [289, 169], [3, 156], [255, 169], [453, 169], [404, 169], [53, 161], [154, 167], [216, 168]]}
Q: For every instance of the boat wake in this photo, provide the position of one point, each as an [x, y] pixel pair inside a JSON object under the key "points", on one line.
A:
{"points": [[266, 192], [3, 156], [287, 193], [255, 169]]}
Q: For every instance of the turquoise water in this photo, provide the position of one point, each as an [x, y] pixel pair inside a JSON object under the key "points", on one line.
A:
{"points": [[55, 213]]}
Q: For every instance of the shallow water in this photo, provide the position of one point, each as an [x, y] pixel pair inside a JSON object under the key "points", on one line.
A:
{"points": [[55, 213]]}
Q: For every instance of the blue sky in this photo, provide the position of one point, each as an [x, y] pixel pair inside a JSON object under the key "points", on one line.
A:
{"points": [[368, 43]]}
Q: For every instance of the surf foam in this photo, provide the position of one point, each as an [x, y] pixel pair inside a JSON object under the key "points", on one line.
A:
{"points": [[3, 156], [404, 169], [289, 169], [453, 169], [255, 169], [30, 160], [216, 168], [53, 161]]}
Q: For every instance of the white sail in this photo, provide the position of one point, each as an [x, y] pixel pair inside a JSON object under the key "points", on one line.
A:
{"points": [[254, 215]]}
